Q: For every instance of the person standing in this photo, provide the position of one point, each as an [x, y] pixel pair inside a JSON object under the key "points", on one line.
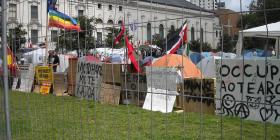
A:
{"points": [[53, 60]]}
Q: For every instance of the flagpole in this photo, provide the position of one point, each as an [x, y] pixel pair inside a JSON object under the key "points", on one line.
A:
{"points": [[5, 69], [46, 39]]}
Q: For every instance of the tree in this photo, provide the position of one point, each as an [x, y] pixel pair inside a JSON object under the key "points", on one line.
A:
{"points": [[111, 37], [159, 41], [195, 46], [256, 15], [228, 44], [73, 40], [16, 38]]}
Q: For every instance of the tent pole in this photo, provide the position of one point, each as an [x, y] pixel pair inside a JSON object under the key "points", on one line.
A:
{"points": [[278, 47], [46, 39]]}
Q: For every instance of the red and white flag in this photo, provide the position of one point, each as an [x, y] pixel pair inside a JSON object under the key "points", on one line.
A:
{"points": [[178, 39], [118, 38]]}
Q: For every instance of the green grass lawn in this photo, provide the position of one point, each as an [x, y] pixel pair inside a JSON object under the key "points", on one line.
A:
{"points": [[48, 117]]}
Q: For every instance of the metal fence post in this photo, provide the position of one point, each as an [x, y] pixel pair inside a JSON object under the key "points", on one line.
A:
{"points": [[5, 68]]}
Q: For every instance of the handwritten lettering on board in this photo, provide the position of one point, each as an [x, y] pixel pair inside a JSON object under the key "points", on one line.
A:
{"points": [[88, 79], [250, 90]]}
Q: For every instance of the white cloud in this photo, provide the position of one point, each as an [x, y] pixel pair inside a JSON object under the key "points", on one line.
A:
{"points": [[235, 4]]}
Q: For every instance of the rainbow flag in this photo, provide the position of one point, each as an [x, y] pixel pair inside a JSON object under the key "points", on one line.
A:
{"points": [[61, 20]]}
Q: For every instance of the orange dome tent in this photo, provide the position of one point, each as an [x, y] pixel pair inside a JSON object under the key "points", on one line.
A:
{"points": [[173, 60]]}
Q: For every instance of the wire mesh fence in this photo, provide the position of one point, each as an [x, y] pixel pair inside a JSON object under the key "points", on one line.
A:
{"points": [[141, 69]]}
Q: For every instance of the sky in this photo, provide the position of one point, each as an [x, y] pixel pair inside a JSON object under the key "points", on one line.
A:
{"points": [[235, 4]]}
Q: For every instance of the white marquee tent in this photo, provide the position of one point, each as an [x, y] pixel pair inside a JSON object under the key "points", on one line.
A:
{"points": [[38, 57], [272, 30]]}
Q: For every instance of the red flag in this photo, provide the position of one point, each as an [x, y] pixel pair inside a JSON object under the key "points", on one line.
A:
{"points": [[118, 38], [181, 37], [130, 54]]}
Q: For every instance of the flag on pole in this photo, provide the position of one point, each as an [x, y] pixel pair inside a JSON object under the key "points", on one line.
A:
{"points": [[177, 40], [63, 21], [11, 61], [118, 38], [130, 54]]}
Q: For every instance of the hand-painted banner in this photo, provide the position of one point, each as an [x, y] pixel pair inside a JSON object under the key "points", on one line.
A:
{"points": [[250, 90], [88, 79]]}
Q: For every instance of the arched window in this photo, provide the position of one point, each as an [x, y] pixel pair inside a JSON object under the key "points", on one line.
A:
{"points": [[201, 35], [161, 31], [172, 28], [216, 33], [120, 22], [110, 21], [99, 21], [149, 32], [192, 34]]}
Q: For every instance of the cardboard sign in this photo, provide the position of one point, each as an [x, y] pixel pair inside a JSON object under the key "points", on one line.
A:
{"points": [[134, 89], [250, 90], [44, 74], [88, 79], [195, 93], [25, 82], [59, 84], [110, 94], [162, 89], [45, 89]]}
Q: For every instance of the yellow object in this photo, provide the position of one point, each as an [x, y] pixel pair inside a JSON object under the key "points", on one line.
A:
{"points": [[9, 60], [45, 89], [44, 74]]}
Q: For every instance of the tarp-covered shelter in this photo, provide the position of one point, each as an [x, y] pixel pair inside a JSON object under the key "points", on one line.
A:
{"points": [[173, 60], [208, 67], [271, 30]]}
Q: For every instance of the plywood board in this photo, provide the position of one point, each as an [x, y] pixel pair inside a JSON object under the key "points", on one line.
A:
{"points": [[111, 73], [196, 97], [134, 89], [109, 94], [59, 85]]}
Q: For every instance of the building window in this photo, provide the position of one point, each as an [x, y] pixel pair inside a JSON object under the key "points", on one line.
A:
{"points": [[12, 11], [217, 33], [172, 28], [34, 12], [99, 38], [120, 8], [34, 36], [98, 21], [120, 23], [149, 32], [99, 5], [80, 13], [54, 35], [201, 35], [161, 31], [110, 7], [110, 21], [192, 34]]}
